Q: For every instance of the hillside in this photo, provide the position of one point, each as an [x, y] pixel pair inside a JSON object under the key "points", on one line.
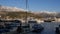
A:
{"points": [[13, 12], [9, 9], [20, 14]]}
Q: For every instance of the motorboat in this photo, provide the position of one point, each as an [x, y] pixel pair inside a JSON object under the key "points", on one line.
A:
{"points": [[9, 27], [3, 29], [37, 28], [34, 26], [26, 27], [58, 30], [47, 20]]}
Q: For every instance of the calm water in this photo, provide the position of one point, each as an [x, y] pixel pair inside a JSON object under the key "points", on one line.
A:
{"points": [[49, 28]]}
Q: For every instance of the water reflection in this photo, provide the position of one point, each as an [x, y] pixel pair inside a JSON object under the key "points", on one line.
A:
{"points": [[49, 28]]}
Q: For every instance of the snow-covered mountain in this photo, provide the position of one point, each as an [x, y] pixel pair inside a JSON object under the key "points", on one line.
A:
{"points": [[6, 8], [48, 12], [15, 9]]}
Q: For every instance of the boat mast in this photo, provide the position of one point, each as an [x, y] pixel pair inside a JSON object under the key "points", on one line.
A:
{"points": [[26, 11]]}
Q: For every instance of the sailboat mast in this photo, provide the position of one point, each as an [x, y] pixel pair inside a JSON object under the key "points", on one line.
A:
{"points": [[26, 11]]}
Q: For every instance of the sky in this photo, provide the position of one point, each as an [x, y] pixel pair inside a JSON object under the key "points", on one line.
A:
{"points": [[34, 5]]}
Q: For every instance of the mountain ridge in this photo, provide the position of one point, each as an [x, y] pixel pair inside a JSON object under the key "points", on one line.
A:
{"points": [[23, 13], [7, 8]]}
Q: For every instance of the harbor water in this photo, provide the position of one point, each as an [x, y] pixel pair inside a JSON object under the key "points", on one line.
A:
{"points": [[49, 28]]}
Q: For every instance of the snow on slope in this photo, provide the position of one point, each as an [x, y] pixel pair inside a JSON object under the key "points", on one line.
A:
{"points": [[6, 8]]}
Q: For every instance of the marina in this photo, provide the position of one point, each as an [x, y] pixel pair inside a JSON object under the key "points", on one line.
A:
{"points": [[29, 17], [28, 28]]}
